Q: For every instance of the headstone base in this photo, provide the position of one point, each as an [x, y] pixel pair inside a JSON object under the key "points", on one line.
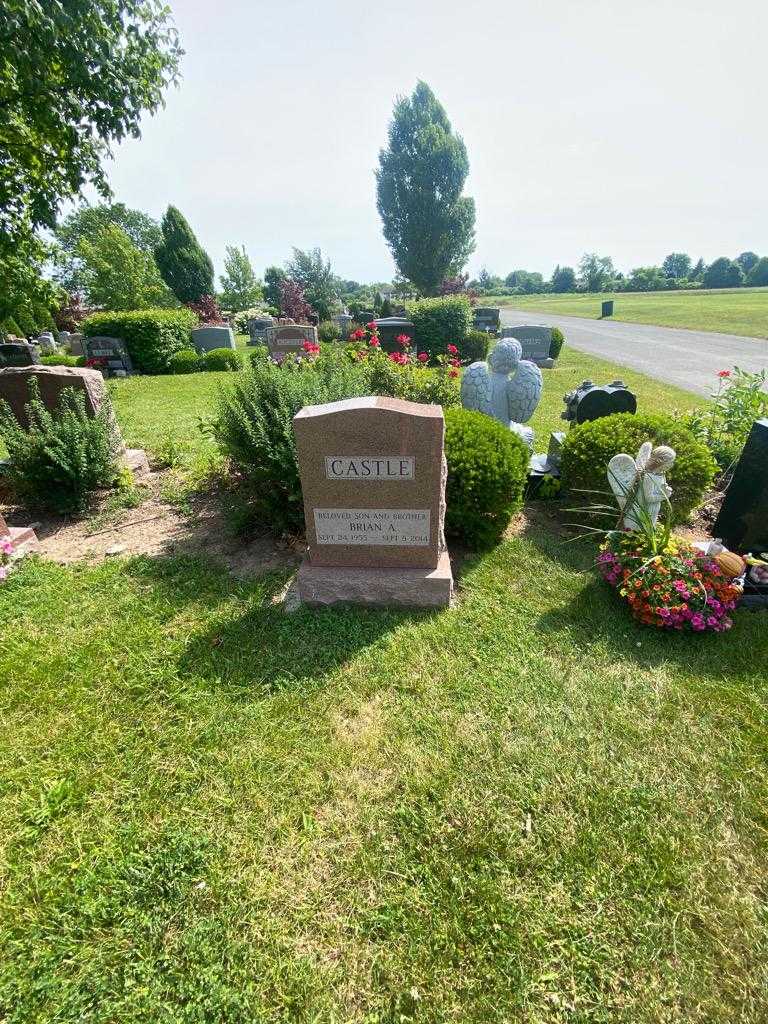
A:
{"points": [[322, 585], [547, 363]]}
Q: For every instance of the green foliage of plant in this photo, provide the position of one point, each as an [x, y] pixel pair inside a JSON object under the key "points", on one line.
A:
{"points": [[61, 359], [186, 360], [758, 275], [316, 279], [183, 263], [273, 281], [221, 359], [590, 446], [428, 224], [412, 382], [151, 335], [116, 274], [440, 321], [487, 474], [723, 273], [558, 340], [63, 456], [724, 426], [240, 289], [26, 322], [11, 327], [475, 346], [254, 427], [328, 330]]}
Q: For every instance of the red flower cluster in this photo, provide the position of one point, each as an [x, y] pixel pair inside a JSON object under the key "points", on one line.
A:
{"points": [[723, 374], [311, 347], [403, 339], [677, 589]]}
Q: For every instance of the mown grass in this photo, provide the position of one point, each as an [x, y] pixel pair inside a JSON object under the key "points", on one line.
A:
{"points": [[153, 409], [525, 808], [741, 311]]}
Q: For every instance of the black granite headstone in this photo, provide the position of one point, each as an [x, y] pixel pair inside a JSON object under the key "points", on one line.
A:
{"points": [[591, 402], [390, 328], [111, 353], [743, 520], [18, 353]]}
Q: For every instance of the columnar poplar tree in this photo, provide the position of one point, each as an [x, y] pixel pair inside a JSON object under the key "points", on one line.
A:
{"points": [[428, 224], [183, 263]]}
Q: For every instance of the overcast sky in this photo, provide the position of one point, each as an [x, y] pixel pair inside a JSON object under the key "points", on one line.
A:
{"points": [[629, 130]]}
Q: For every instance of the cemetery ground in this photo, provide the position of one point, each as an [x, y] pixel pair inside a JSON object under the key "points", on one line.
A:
{"points": [[742, 311], [526, 807]]}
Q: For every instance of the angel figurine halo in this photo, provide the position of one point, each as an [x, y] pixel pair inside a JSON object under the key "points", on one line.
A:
{"points": [[640, 485]]}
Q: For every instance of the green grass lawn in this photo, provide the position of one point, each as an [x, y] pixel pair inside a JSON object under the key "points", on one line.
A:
{"points": [[153, 409], [731, 311], [525, 808]]}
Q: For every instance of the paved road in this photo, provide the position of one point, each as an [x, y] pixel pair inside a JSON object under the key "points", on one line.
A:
{"points": [[689, 359]]}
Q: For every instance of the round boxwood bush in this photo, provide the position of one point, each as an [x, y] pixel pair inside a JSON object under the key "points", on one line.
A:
{"points": [[475, 346], [589, 447], [222, 359], [487, 473], [558, 340], [328, 330], [186, 360]]}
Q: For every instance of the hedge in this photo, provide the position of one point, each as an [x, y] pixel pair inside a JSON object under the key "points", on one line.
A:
{"points": [[151, 335], [438, 322]]}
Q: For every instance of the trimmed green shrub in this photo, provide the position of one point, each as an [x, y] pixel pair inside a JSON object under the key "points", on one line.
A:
{"points": [[558, 340], [475, 346], [62, 359], [25, 320], [63, 456], [328, 331], [221, 359], [186, 360], [487, 473], [589, 447], [254, 427], [11, 327], [440, 321], [413, 383], [151, 335]]}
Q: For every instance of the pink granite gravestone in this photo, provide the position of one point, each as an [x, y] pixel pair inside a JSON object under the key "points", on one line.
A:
{"points": [[23, 539], [373, 477]]}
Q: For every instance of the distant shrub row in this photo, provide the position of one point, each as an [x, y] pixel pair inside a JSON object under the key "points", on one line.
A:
{"points": [[151, 336]]}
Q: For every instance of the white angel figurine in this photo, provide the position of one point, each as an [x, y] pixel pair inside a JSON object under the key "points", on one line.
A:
{"points": [[640, 483], [507, 387]]}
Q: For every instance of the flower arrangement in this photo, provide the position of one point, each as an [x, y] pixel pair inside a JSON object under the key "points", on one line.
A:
{"points": [[672, 587], [97, 363]]}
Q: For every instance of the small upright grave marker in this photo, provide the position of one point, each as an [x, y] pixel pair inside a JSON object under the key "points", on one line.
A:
{"points": [[111, 354], [210, 337], [257, 329], [284, 339], [373, 477], [486, 318], [390, 328], [535, 342], [18, 353]]}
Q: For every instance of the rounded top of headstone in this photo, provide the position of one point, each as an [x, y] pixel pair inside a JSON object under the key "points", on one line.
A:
{"points": [[378, 402], [505, 355]]}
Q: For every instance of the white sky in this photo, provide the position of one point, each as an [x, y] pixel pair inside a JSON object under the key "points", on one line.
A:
{"points": [[630, 130]]}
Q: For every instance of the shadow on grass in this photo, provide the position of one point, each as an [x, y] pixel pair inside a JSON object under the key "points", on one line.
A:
{"points": [[253, 646]]}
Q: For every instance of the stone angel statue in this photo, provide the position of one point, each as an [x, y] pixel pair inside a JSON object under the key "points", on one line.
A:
{"points": [[640, 484], [507, 387]]}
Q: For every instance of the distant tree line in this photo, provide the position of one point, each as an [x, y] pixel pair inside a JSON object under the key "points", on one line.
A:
{"points": [[598, 274]]}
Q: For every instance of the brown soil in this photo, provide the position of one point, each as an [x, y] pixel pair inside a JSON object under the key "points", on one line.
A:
{"points": [[156, 528]]}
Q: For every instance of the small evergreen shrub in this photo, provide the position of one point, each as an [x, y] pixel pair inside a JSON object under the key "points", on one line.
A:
{"points": [[487, 474], [440, 321], [329, 331], [61, 359], [558, 340], [475, 346], [151, 335], [186, 360], [254, 427], [589, 447], [63, 456], [11, 327], [221, 359]]}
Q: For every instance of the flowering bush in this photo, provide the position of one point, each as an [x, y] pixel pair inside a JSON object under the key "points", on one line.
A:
{"points": [[677, 588], [723, 426]]}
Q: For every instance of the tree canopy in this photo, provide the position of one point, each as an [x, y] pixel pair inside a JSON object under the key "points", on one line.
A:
{"points": [[117, 274], [563, 279], [723, 273], [183, 263], [428, 224], [595, 272], [316, 279], [677, 265], [74, 78], [239, 287]]}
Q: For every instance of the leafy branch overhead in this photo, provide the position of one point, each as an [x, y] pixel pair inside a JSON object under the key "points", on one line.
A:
{"points": [[75, 78]]}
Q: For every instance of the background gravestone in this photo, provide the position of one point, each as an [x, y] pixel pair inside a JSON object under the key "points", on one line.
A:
{"points": [[73, 342], [18, 353], [113, 352], [486, 318], [535, 342], [591, 401], [743, 520], [373, 475], [206, 339], [286, 338], [390, 327], [257, 329], [344, 320]]}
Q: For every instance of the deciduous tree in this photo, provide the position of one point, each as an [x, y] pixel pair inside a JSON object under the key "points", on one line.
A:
{"points": [[117, 274], [677, 265], [316, 279], [595, 272], [239, 287], [723, 273], [428, 224], [563, 279]]}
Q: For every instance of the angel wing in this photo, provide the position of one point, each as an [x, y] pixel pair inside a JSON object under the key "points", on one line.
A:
{"points": [[476, 388], [622, 474], [524, 391], [641, 460]]}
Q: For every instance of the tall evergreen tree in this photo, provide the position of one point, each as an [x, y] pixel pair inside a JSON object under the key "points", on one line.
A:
{"points": [[428, 224], [183, 263]]}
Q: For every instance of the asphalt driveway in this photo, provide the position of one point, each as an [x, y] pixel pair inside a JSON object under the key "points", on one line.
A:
{"points": [[689, 359]]}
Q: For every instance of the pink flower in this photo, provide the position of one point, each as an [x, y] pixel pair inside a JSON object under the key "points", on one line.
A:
{"points": [[403, 339], [423, 357], [724, 373], [374, 342], [371, 326], [452, 350], [5, 546]]}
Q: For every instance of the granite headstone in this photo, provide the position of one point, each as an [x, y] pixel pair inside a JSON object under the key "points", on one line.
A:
{"points": [[486, 318], [390, 328], [206, 339], [373, 475], [112, 354], [286, 339], [743, 519], [535, 342], [18, 353], [257, 329]]}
